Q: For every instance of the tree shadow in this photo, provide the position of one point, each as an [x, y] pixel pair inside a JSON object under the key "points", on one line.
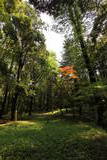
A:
{"points": [[55, 140]]}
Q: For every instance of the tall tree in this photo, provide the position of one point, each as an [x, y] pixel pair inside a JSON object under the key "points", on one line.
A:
{"points": [[72, 11], [25, 41]]}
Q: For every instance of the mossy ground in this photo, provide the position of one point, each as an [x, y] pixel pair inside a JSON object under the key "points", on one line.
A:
{"points": [[46, 138]]}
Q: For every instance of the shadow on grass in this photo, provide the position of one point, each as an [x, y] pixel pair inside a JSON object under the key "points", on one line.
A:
{"points": [[55, 140]]}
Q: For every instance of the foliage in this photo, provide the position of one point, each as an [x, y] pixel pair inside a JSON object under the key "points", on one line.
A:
{"points": [[68, 71]]}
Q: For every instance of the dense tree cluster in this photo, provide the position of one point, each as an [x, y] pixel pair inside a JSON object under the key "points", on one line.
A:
{"points": [[85, 48], [31, 79], [24, 60]]}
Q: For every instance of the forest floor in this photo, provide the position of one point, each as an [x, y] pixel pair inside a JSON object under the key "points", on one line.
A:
{"points": [[44, 137]]}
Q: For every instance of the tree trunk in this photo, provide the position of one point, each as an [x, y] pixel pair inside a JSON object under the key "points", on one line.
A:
{"points": [[6, 92], [100, 117], [14, 108], [31, 105], [78, 29], [49, 96], [15, 97], [87, 60], [80, 111], [4, 102]]}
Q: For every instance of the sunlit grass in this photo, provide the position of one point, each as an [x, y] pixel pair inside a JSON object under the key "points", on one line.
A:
{"points": [[39, 139], [17, 123], [52, 112], [58, 111]]}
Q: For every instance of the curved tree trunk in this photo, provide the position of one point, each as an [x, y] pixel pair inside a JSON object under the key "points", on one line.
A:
{"points": [[78, 29]]}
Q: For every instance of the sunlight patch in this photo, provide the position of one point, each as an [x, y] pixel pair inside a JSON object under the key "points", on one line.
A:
{"points": [[93, 133]]}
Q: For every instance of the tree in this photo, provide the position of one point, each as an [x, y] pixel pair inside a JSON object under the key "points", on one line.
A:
{"points": [[72, 11], [21, 33], [72, 56]]}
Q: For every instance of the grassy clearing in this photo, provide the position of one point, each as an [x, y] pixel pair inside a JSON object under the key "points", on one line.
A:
{"points": [[39, 139]]}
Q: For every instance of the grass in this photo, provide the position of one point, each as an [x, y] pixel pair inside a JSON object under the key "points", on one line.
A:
{"points": [[52, 139]]}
